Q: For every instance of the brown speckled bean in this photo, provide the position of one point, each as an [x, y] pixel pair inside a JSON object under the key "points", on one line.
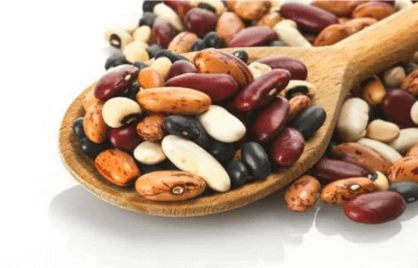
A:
{"points": [[338, 8], [174, 100], [150, 78], [337, 192], [405, 169], [302, 194], [183, 42], [269, 19], [151, 127], [251, 10], [376, 10], [94, 126], [373, 91], [117, 167], [297, 105], [413, 151], [410, 84], [229, 24], [170, 185], [332, 34]]}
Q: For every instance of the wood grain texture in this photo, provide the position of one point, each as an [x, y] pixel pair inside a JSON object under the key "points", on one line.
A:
{"points": [[333, 70]]}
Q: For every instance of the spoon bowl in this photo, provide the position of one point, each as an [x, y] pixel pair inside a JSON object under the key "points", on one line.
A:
{"points": [[334, 70]]}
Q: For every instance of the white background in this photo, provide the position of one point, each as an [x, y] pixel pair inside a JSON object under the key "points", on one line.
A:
{"points": [[51, 51]]}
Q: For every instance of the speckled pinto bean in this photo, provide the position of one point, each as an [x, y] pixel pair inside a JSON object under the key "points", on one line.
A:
{"points": [[213, 61], [338, 8], [174, 100], [309, 18], [218, 87], [183, 42], [251, 10], [361, 155], [302, 194], [271, 121], [229, 24], [151, 127], [298, 104], [405, 169], [115, 80], [329, 170], [410, 84], [150, 78], [117, 167], [257, 93], [374, 9], [297, 68], [332, 34], [375, 207], [269, 19], [339, 191], [94, 125], [252, 37], [413, 151], [288, 147], [170, 185]]}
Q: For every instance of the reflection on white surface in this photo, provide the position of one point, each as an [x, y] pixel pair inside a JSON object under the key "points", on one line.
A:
{"points": [[109, 233]]}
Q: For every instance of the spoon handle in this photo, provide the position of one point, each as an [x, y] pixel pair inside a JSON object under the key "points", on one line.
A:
{"points": [[381, 45]]}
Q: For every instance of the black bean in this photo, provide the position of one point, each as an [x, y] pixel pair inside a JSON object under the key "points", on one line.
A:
{"points": [[408, 190], [297, 89], [371, 114], [256, 160], [207, 7], [153, 50], [148, 19], [211, 39], [198, 45], [373, 176], [223, 152], [140, 65], [148, 6], [241, 54], [276, 43], [168, 165], [148, 168], [310, 120], [132, 91], [188, 128], [114, 60], [237, 172], [92, 149], [171, 55], [410, 67], [78, 129]]}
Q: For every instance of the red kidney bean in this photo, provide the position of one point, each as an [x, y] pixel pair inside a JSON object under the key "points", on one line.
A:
{"points": [[181, 7], [308, 17], [271, 122], [252, 37], [200, 21], [125, 138], [219, 87], [297, 68], [230, 107], [163, 32], [397, 106], [288, 147], [115, 81], [256, 93], [375, 207], [181, 67], [329, 170]]}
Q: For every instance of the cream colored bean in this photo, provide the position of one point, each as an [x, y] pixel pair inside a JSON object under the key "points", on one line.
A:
{"points": [[118, 38], [258, 69], [381, 182], [143, 33], [149, 153], [117, 109], [290, 36], [163, 66], [415, 58], [414, 113], [136, 51], [291, 23], [216, 4], [352, 122], [402, 4], [393, 77], [276, 5], [383, 149], [297, 83], [382, 131], [165, 12], [408, 137]]}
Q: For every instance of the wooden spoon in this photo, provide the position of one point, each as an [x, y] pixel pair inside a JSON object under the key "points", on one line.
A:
{"points": [[334, 70]]}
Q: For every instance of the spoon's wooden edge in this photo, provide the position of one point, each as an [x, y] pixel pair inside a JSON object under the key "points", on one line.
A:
{"points": [[83, 170]]}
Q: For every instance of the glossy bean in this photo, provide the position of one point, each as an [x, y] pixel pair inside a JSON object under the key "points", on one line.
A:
{"points": [[310, 120], [218, 87], [125, 138], [297, 68], [302, 194], [380, 181], [151, 127], [376, 10], [413, 151], [229, 25], [329, 170], [78, 129], [200, 21], [397, 106], [410, 84], [408, 190], [149, 153], [353, 119], [256, 160], [94, 125], [188, 128], [251, 10], [257, 94], [383, 149], [288, 147], [339, 191], [332, 34], [163, 32], [338, 8], [373, 91], [181, 7], [408, 137], [271, 121], [297, 105], [290, 35], [171, 55], [92, 149], [165, 12], [150, 78], [383, 131], [405, 169], [237, 172], [223, 152], [252, 37], [181, 67], [269, 20]]}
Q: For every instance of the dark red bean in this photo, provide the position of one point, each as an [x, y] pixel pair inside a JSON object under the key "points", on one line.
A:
{"points": [[375, 207], [256, 94], [397, 106], [181, 7], [200, 21], [329, 170], [288, 147], [181, 67], [309, 18], [163, 32], [252, 37], [297, 68], [271, 121], [114, 81], [125, 138], [219, 87]]}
